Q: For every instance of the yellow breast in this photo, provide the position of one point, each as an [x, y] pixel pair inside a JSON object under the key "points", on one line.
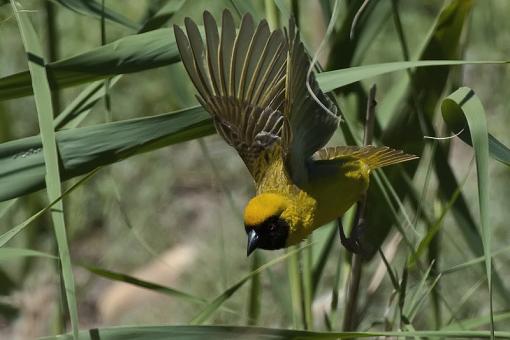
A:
{"points": [[329, 193]]}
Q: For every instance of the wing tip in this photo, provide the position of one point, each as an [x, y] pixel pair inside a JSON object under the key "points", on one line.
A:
{"points": [[379, 157]]}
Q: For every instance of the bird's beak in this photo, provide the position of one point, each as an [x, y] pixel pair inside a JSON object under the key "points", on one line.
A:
{"points": [[253, 239]]}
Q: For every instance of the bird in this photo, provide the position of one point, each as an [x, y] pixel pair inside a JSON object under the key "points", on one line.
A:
{"points": [[263, 101]]}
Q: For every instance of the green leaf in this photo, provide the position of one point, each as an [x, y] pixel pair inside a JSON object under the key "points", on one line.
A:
{"points": [[327, 236], [477, 322], [162, 16], [121, 277], [42, 96], [331, 80], [84, 149], [306, 278], [407, 123], [95, 9], [433, 228], [237, 332], [474, 261], [456, 121], [12, 253], [255, 294], [8, 235], [212, 307], [465, 102], [295, 287], [130, 54], [85, 101]]}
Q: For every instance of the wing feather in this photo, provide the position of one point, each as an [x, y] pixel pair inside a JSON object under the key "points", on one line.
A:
{"points": [[254, 83], [188, 60], [240, 79], [373, 156], [226, 46], [197, 48], [213, 38], [311, 125], [240, 53], [255, 50], [271, 51]]}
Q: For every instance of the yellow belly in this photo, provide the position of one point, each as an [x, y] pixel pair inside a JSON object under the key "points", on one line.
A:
{"points": [[336, 189]]}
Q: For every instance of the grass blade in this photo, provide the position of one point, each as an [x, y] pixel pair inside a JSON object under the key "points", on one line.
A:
{"points": [[331, 80], [162, 16], [465, 102], [478, 322], [8, 235], [42, 96], [433, 229], [427, 86], [473, 261], [130, 54], [209, 310], [7, 253], [295, 287], [456, 121], [254, 297], [236, 332], [306, 274], [322, 250], [84, 149], [94, 9], [85, 101], [121, 277]]}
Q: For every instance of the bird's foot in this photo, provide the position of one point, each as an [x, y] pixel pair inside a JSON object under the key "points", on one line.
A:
{"points": [[352, 243]]}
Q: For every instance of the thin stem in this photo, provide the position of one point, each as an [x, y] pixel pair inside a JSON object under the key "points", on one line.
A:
{"points": [[107, 99], [351, 303], [356, 18], [306, 275], [53, 46]]}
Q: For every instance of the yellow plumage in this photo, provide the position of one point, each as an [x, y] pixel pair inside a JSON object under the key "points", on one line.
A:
{"points": [[253, 82]]}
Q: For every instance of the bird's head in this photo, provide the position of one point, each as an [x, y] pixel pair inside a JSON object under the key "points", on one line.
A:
{"points": [[269, 218]]}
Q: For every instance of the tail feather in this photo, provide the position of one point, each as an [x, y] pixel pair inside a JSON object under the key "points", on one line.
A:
{"points": [[373, 156]]}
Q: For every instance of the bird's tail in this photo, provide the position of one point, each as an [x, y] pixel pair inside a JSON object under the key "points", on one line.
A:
{"points": [[373, 156]]}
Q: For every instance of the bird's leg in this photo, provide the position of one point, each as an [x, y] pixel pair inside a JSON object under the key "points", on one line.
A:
{"points": [[352, 243]]}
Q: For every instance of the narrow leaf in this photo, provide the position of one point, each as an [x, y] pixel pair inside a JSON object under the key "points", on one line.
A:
{"points": [[130, 54], [465, 100], [456, 119], [42, 96], [240, 332], [84, 149], [121, 277], [331, 80], [95, 9], [209, 310], [8, 235], [13, 253]]}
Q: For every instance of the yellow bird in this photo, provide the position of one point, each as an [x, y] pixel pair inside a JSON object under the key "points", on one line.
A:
{"points": [[254, 84]]}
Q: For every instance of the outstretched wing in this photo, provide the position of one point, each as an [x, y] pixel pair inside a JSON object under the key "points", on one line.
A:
{"points": [[240, 79], [373, 156], [313, 116]]}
